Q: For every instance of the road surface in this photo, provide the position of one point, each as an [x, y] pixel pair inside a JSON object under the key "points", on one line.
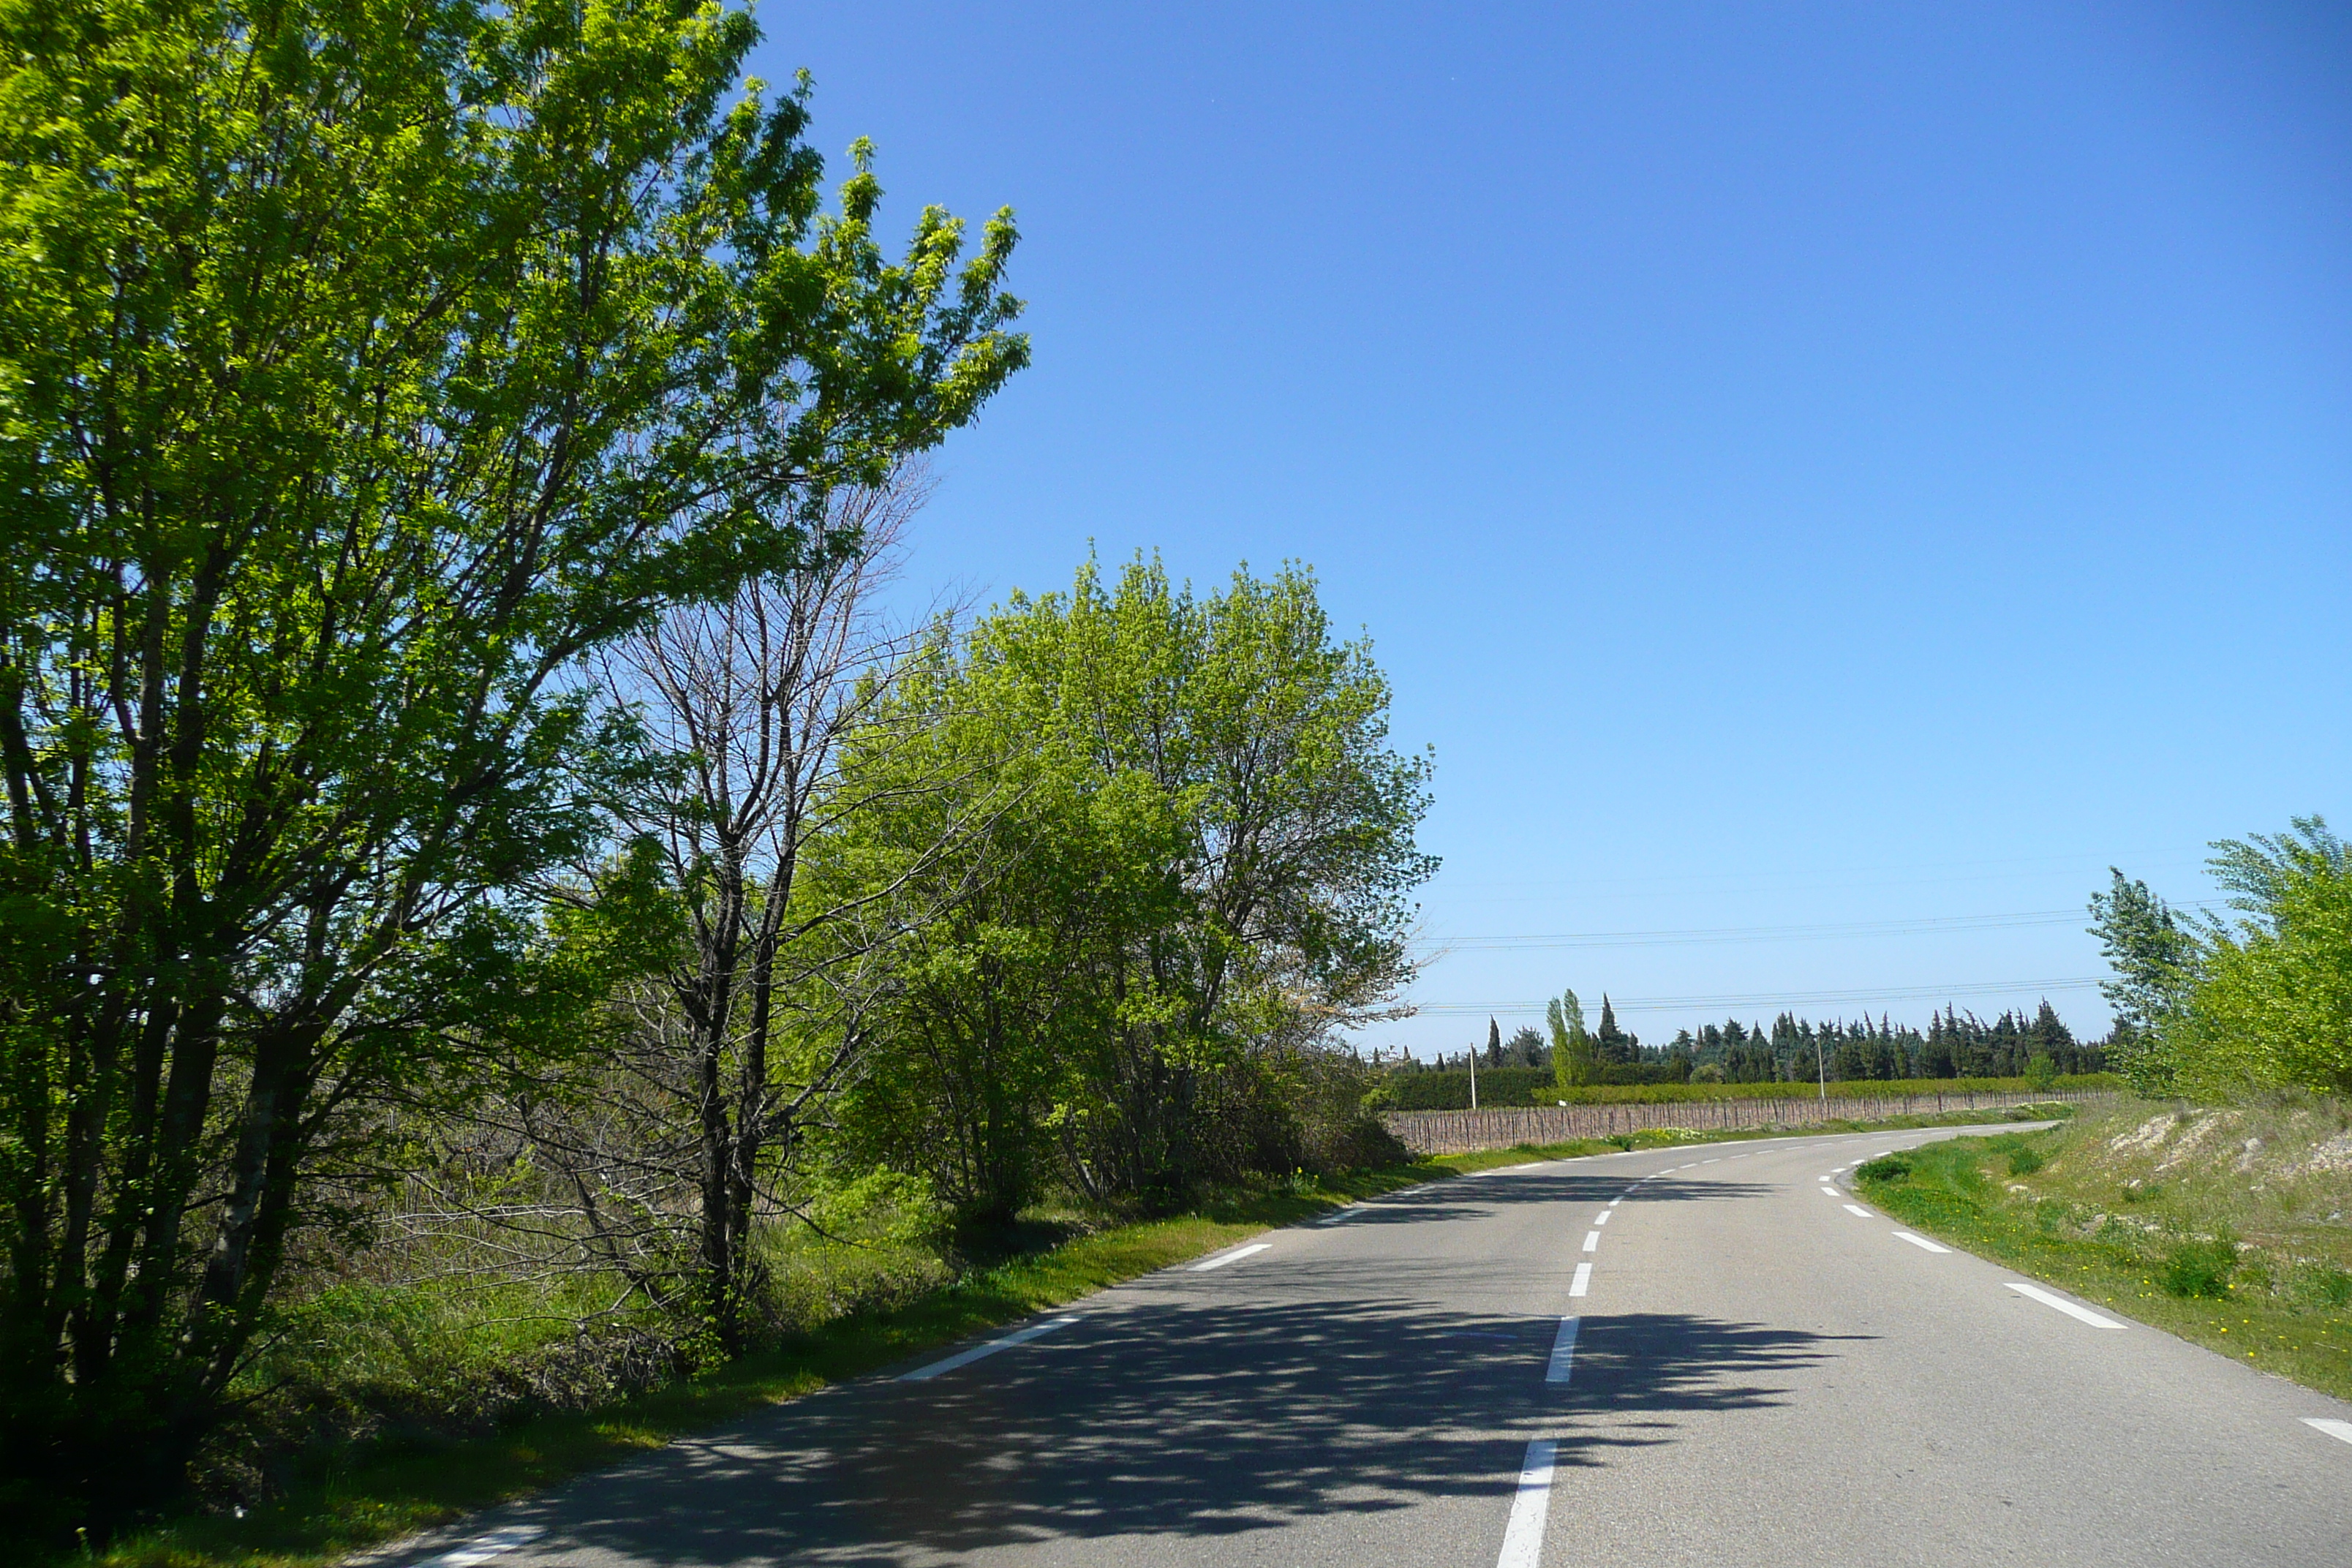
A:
{"points": [[1713, 1355]]}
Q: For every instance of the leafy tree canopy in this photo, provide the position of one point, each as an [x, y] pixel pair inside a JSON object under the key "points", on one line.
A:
{"points": [[359, 369]]}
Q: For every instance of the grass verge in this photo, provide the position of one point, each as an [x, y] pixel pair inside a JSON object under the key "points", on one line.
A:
{"points": [[2246, 1258], [390, 1495]]}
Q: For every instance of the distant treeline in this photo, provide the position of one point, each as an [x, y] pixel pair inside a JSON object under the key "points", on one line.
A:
{"points": [[1955, 1045], [1505, 1086]]}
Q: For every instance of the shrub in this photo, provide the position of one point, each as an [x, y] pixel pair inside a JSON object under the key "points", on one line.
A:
{"points": [[2201, 1267], [1885, 1168], [2023, 1162]]}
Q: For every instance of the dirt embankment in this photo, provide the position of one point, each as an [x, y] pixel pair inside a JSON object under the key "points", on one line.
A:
{"points": [[2274, 1180]]}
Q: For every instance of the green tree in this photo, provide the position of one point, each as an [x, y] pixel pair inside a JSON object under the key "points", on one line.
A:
{"points": [[2155, 960], [1611, 1043], [2273, 1001], [1573, 1064], [1188, 870], [360, 371], [1013, 881]]}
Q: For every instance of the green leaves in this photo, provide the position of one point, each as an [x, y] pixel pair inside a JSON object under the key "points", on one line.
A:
{"points": [[1184, 859], [2264, 1002], [1573, 1056], [360, 368], [2154, 956], [2274, 1002]]}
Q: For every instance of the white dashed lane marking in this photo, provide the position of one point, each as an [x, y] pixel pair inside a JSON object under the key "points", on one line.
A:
{"points": [[1235, 1256], [2051, 1299], [482, 1547], [1920, 1241], [1523, 1536], [966, 1358], [1563, 1352]]}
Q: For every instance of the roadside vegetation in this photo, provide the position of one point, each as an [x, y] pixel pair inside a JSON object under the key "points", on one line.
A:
{"points": [[2230, 1226], [2222, 1007]]}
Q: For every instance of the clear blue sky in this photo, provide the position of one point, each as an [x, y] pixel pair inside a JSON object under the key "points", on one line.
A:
{"points": [[1802, 466]]}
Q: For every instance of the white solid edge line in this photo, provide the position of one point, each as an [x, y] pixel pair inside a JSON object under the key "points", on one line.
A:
{"points": [[1235, 1256], [2050, 1300], [1563, 1352], [1858, 1210], [2327, 1424], [1920, 1241], [1576, 1286], [1592, 1241], [1523, 1537], [482, 1547], [967, 1357]]}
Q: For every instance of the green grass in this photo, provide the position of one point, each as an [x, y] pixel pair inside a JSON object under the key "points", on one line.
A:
{"points": [[2246, 1255], [381, 1495]]}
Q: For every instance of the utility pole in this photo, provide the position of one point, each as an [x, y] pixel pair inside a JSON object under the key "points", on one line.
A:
{"points": [[1821, 1065], [1474, 1078]]}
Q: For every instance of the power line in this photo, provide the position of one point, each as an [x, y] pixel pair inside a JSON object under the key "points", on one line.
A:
{"points": [[1790, 998], [1929, 925], [1902, 873]]}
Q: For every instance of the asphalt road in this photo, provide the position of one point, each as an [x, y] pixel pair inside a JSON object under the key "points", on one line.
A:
{"points": [[1760, 1371]]}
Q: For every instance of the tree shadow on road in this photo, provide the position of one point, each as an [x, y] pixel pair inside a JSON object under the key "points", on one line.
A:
{"points": [[1178, 1420]]}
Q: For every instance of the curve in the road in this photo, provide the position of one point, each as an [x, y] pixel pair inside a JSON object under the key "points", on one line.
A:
{"points": [[1661, 1357]]}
